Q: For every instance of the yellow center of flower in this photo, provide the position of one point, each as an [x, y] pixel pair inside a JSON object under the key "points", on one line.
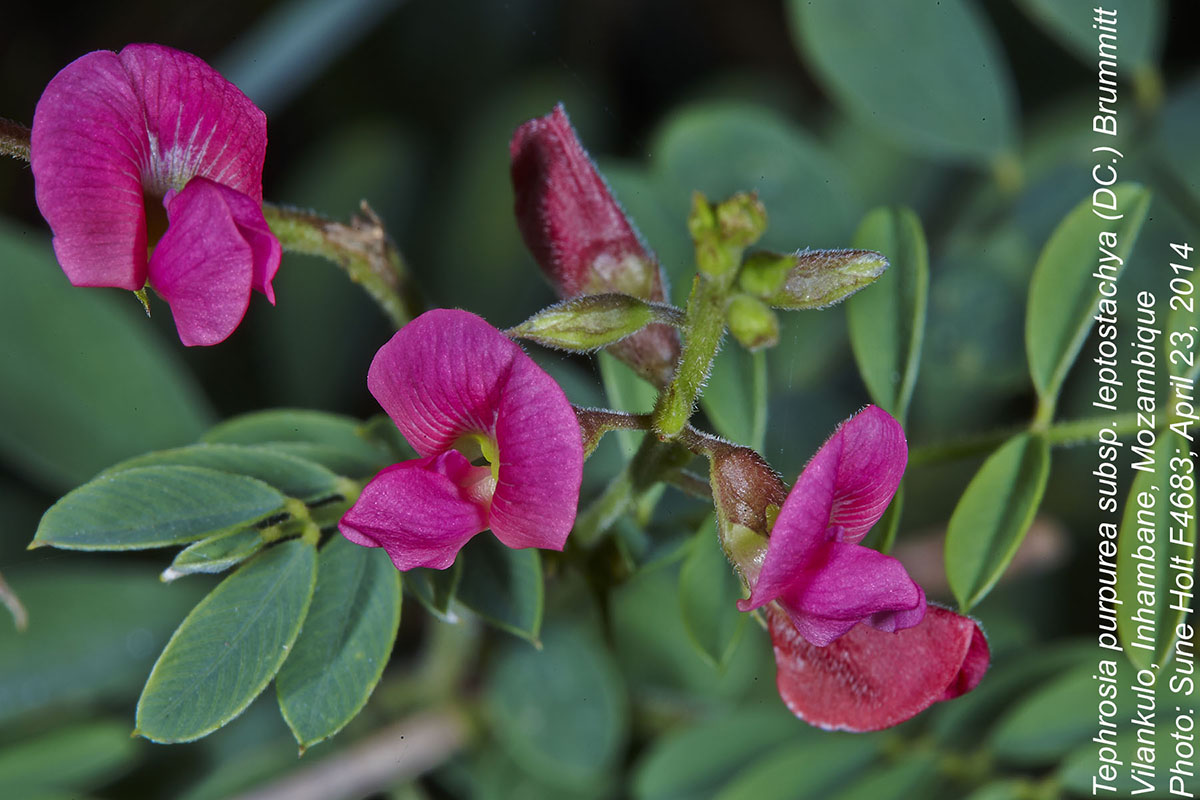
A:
{"points": [[477, 447]]}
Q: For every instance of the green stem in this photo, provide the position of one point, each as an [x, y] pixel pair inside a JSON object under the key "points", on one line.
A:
{"points": [[1064, 433], [758, 436], [14, 139], [702, 337], [1043, 418], [691, 484], [362, 248], [654, 461]]}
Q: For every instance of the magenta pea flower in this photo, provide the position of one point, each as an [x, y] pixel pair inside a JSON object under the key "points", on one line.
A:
{"points": [[580, 236], [814, 567], [453, 383], [870, 679], [127, 147]]}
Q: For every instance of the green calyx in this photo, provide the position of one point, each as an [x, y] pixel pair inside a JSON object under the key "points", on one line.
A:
{"points": [[810, 279], [588, 323]]}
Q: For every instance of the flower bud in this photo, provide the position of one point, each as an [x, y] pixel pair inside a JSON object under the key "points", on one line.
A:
{"points": [[753, 324], [747, 494], [582, 239], [720, 234], [588, 323], [811, 278]]}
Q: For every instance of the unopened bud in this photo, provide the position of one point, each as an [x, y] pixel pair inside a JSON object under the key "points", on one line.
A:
{"points": [[815, 279], [753, 324], [581, 238], [742, 219], [722, 233], [588, 323], [747, 494]]}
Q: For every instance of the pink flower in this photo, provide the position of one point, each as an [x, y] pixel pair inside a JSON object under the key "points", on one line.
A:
{"points": [[814, 568], [581, 238], [115, 130], [869, 679], [451, 382], [817, 583]]}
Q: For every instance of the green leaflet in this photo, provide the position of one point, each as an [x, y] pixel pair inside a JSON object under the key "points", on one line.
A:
{"points": [[731, 398], [216, 554], [1046, 724], [95, 628], [950, 96], [503, 586], [708, 595], [1140, 23], [229, 647], [993, 515], [317, 431], [436, 589], [346, 642], [915, 776], [887, 320], [695, 761], [357, 463], [1063, 293], [807, 768], [723, 147], [290, 474], [560, 712], [157, 506], [76, 757], [91, 382]]}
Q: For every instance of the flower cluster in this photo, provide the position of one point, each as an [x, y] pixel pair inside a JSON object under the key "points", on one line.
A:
{"points": [[152, 144], [148, 168]]}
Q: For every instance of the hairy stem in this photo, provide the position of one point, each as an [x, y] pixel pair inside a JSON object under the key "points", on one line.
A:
{"points": [[14, 139], [362, 248], [701, 340], [691, 484]]}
